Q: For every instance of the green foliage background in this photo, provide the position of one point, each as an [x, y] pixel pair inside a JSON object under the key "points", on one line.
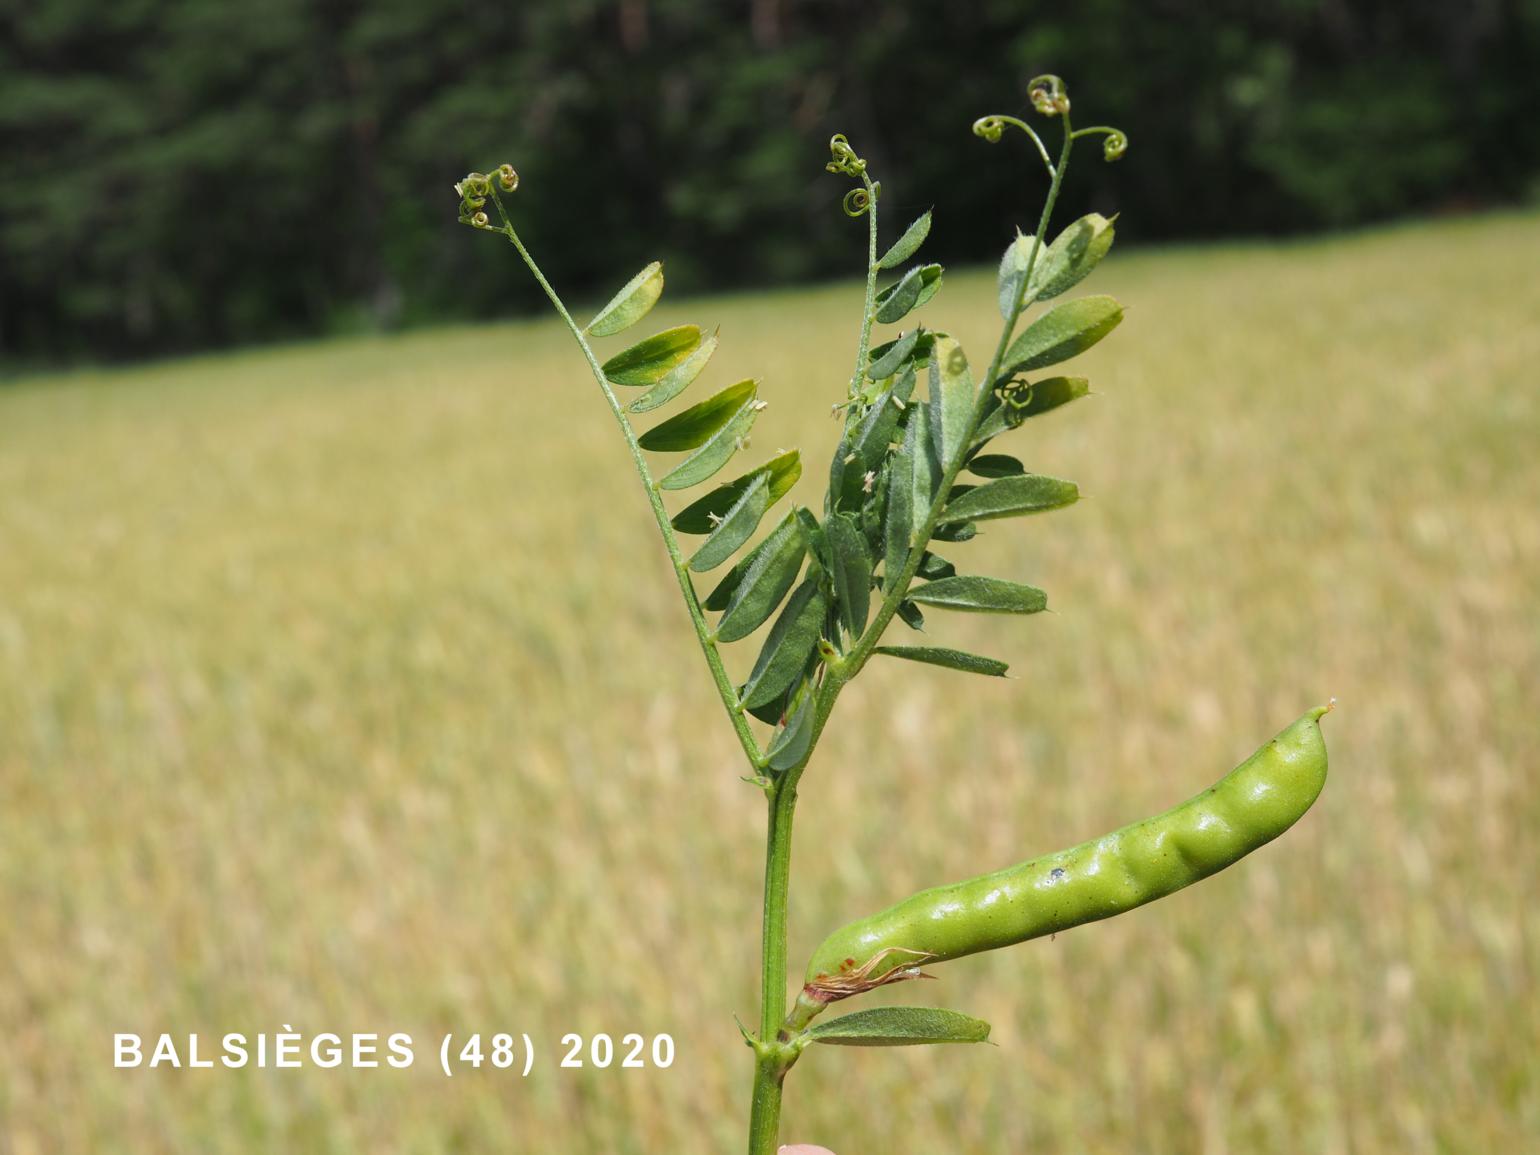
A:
{"points": [[185, 175]]}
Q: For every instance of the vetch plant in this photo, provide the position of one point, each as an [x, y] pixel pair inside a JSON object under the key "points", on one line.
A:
{"points": [[833, 581]]}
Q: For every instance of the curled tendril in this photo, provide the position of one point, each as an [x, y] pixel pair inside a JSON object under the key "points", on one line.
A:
{"points": [[1115, 144], [844, 161], [1016, 396], [858, 202], [843, 158], [989, 128], [476, 187], [992, 128], [1048, 95]]}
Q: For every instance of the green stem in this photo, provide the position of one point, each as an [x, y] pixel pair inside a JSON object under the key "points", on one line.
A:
{"points": [[724, 685], [852, 662], [864, 346], [765, 1112], [774, 1054], [772, 1058], [770, 1061], [772, 971]]}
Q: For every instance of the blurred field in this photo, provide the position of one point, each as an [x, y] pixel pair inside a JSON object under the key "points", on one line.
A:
{"points": [[344, 687]]}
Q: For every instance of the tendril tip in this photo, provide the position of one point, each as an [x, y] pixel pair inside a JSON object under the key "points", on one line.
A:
{"points": [[991, 128], [1048, 95]]}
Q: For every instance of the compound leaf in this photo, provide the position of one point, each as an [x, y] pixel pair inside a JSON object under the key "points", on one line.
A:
{"points": [[696, 425], [917, 286], [651, 358], [736, 526], [924, 473], [631, 304], [770, 572], [874, 512], [906, 245], [1068, 328], [1072, 256], [788, 645], [894, 302], [852, 572], [875, 432], [930, 284], [721, 594], [933, 566], [705, 514], [865, 448], [962, 531], [910, 615], [887, 358], [1011, 497], [813, 535], [951, 659], [952, 395], [717, 450], [677, 379], [995, 465], [872, 437], [772, 712], [1013, 268], [899, 522], [982, 595], [791, 743], [1048, 393], [900, 1027]]}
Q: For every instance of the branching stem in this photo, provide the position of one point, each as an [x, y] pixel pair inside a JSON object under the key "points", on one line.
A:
{"points": [[773, 1058], [725, 689], [774, 1048], [852, 662]]}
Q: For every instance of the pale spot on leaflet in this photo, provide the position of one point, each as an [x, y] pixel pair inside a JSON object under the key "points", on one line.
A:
{"points": [[805, 1149]]}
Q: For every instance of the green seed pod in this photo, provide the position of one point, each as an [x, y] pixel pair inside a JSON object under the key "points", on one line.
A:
{"points": [[1249, 807]]}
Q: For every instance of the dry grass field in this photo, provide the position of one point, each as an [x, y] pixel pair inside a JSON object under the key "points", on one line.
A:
{"points": [[343, 686]]}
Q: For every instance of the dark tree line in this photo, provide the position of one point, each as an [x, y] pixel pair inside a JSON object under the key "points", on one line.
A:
{"points": [[180, 175]]}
